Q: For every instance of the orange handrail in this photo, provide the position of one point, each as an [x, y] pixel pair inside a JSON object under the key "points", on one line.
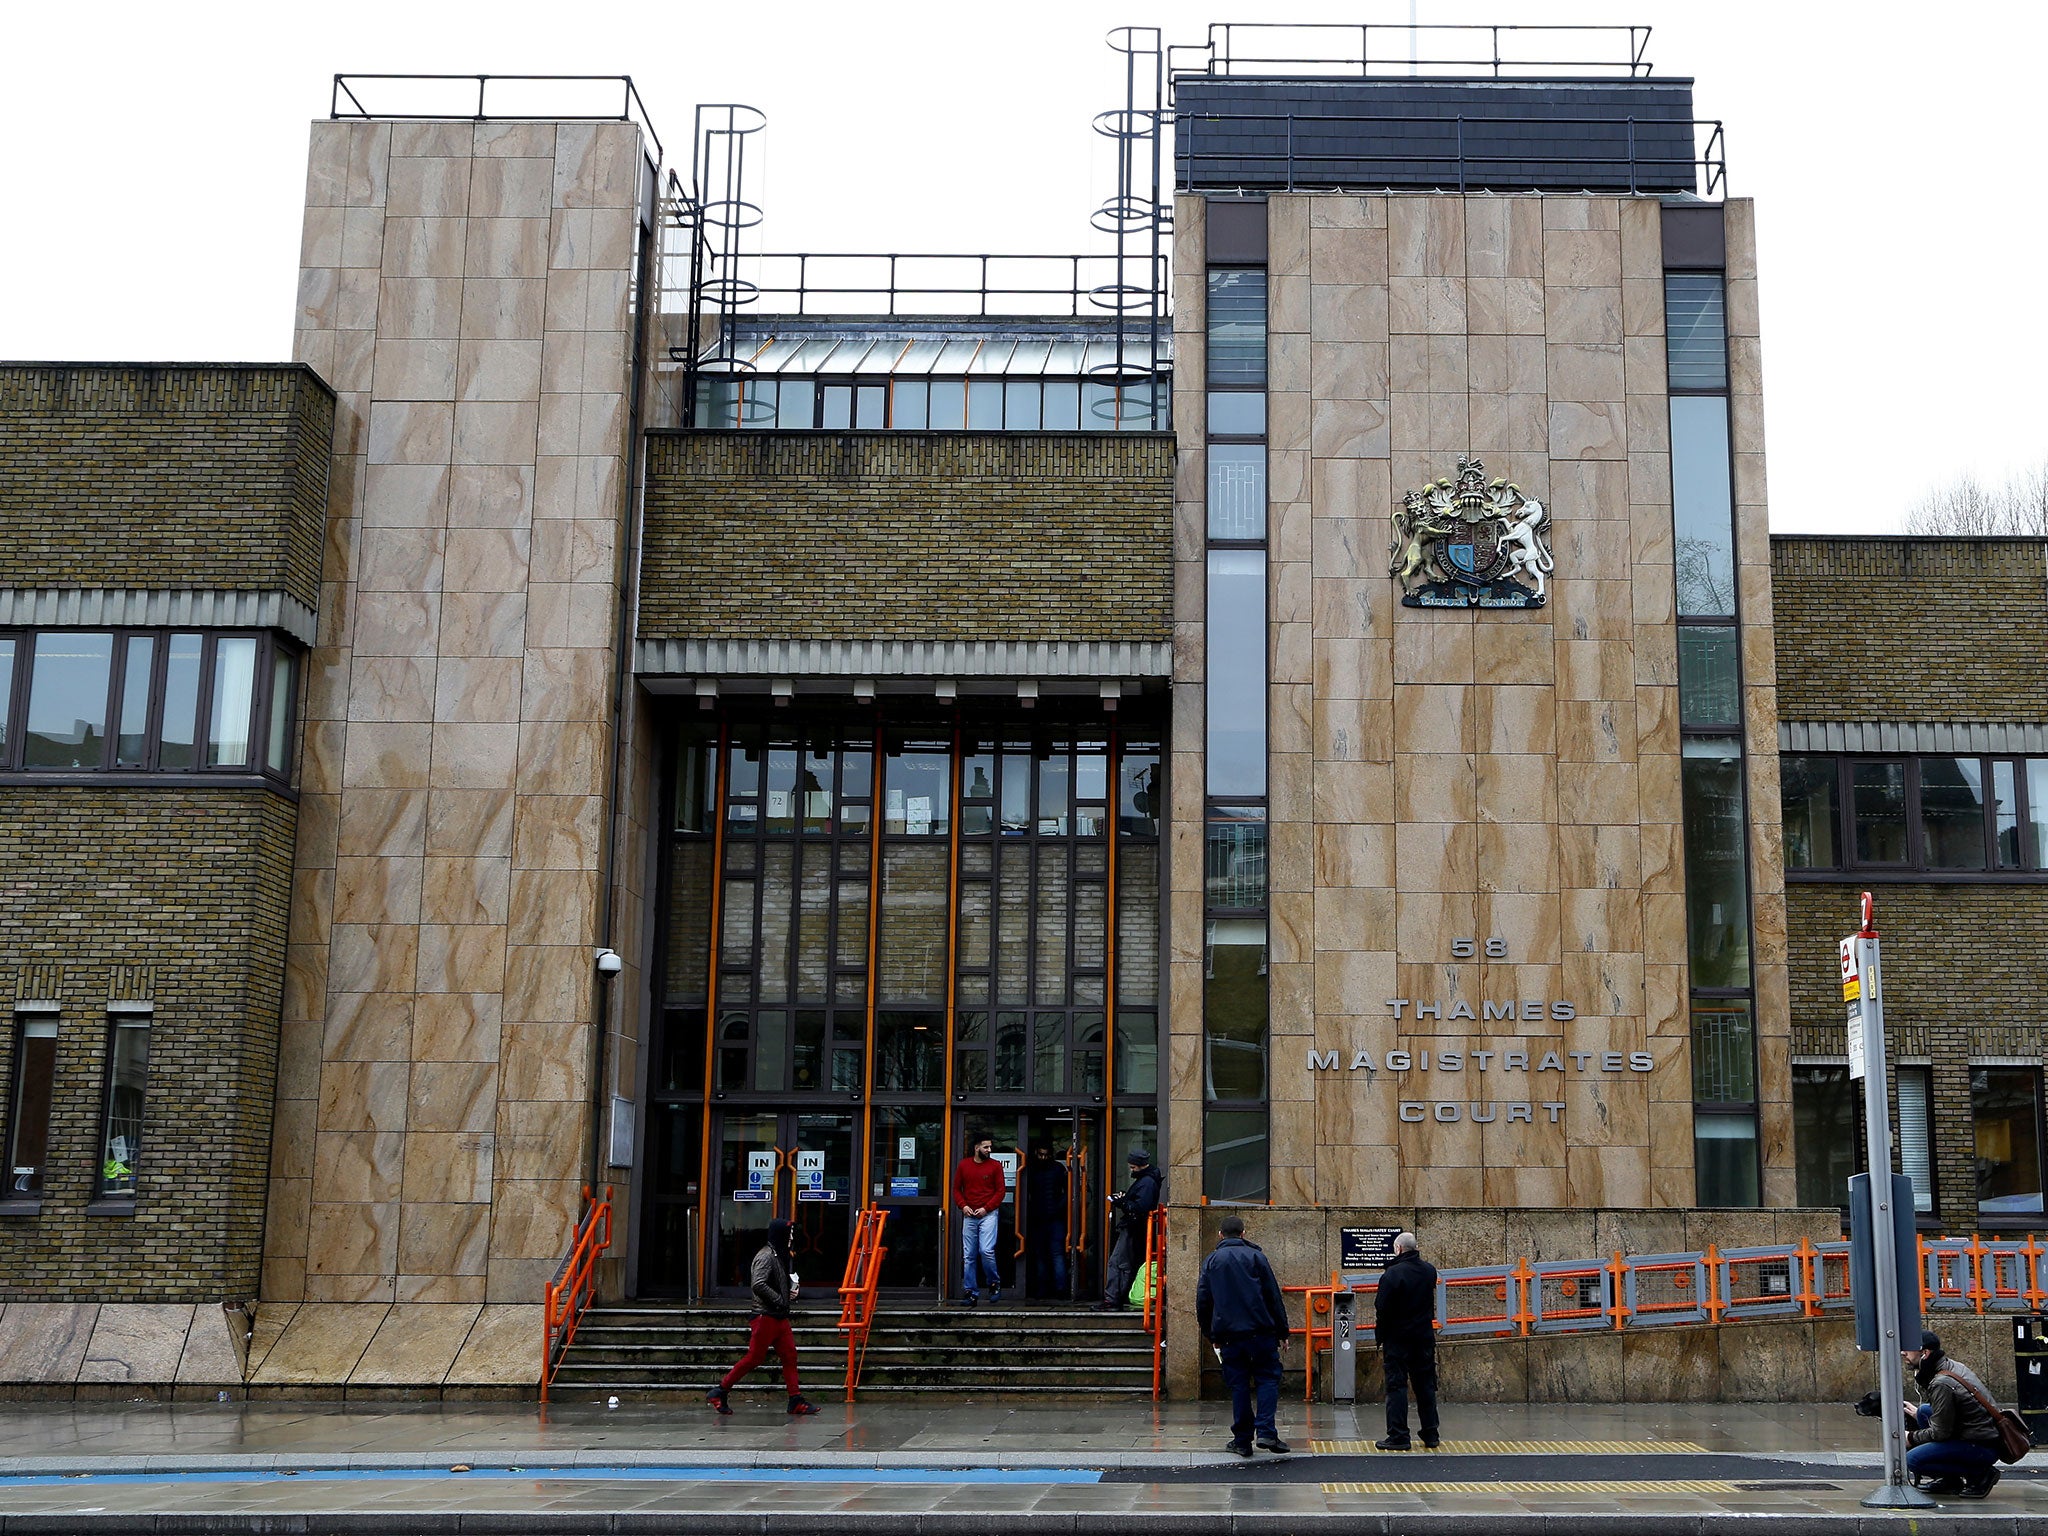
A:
{"points": [[1155, 1291], [574, 1287], [857, 1290]]}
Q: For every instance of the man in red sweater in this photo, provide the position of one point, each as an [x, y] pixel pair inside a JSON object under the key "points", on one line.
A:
{"points": [[978, 1190]]}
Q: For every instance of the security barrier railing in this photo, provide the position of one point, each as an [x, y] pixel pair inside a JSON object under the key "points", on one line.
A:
{"points": [[574, 1287], [857, 1291], [1802, 1280], [1155, 1293]]}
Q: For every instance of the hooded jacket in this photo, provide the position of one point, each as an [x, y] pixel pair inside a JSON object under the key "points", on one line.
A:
{"points": [[769, 1277], [1238, 1295], [1141, 1199]]}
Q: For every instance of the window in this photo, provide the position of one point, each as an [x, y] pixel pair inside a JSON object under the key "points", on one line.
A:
{"points": [[988, 403], [1952, 816], [1695, 331], [121, 1140], [2005, 1110], [1237, 328], [28, 1106], [1827, 1132], [1702, 505], [1237, 492], [142, 701], [1709, 679], [1237, 672], [1236, 857], [1724, 1157], [1916, 1144], [1716, 862]]}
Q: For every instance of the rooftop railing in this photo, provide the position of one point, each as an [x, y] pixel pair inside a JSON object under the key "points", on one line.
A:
{"points": [[1367, 48], [493, 98]]}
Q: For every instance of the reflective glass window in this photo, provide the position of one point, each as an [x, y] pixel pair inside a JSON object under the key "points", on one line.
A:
{"points": [[138, 666], [757, 402], [28, 1108], [279, 753], [1237, 413], [1807, 791], [836, 407], [180, 730], [6, 686], [1236, 701], [1827, 1133], [917, 790], [2005, 830], [1234, 1008], [1062, 405], [121, 1143], [1023, 403], [1952, 821], [1916, 1142], [234, 701], [1878, 791], [1716, 870], [796, 405], [1236, 856], [869, 403], [949, 405], [909, 405], [1703, 508], [1237, 327], [1100, 407], [984, 405], [2005, 1110], [2037, 811], [67, 704], [1724, 1158], [1237, 491], [1234, 1154], [1723, 1051], [1709, 679], [1139, 798], [1695, 330], [1137, 1051]]}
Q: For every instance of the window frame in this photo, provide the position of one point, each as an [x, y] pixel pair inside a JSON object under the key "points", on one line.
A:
{"points": [[1915, 868], [271, 649], [15, 1082], [2022, 1218], [102, 1197]]}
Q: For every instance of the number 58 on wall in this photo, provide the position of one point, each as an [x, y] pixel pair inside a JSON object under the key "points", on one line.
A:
{"points": [[1465, 949]]}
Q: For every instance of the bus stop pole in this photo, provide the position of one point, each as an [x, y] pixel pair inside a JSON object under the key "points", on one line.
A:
{"points": [[1868, 1024]]}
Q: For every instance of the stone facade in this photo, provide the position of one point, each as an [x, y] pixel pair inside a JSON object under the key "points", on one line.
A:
{"points": [[175, 898], [163, 476], [466, 287], [1913, 629], [908, 536]]}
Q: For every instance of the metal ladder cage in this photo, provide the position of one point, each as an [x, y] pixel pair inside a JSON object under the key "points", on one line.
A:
{"points": [[712, 213], [1138, 216]]}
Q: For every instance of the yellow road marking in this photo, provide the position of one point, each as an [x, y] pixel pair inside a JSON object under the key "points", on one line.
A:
{"points": [[1674, 1485], [1519, 1448]]}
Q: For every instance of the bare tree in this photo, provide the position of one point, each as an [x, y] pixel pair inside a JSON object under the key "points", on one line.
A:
{"points": [[1967, 506]]}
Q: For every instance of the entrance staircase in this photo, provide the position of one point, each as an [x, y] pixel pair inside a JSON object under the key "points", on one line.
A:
{"points": [[916, 1349]]}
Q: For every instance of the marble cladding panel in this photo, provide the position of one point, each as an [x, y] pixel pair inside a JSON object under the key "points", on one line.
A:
{"points": [[470, 281], [1523, 783]]}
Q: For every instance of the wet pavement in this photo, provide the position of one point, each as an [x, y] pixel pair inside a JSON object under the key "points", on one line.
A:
{"points": [[953, 1466]]}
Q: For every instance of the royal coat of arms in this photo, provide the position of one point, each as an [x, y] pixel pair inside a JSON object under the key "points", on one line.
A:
{"points": [[1471, 543]]}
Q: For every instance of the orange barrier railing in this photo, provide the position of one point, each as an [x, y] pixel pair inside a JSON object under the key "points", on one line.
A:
{"points": [[857, 1291], [1782, 1280], [1155, 1293], [574, 1287]]}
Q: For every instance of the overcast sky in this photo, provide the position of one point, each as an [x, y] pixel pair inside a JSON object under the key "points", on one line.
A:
{"points": [[1896, 157]]}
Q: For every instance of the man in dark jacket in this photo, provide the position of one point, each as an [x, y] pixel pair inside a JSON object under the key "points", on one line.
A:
{"points": [[774, 1290], [1045, 1223], [1133, 1208], [1955, 1441], [1404, 1323], [1241, 1310]]}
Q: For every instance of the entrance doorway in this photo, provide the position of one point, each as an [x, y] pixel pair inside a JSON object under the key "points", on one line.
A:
{"points": [[795, 1164], [1050, 1232]]}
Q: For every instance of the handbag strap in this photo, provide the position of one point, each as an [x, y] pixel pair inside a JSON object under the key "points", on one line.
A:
{"points": [[1974, 1391]]}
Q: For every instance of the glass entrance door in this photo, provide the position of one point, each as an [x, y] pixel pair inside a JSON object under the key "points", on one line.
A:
{"points": [[795, 1164], [1049, 1242]]}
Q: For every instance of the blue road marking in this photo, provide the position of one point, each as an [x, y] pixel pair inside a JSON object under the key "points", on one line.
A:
{"points": [[575, 1474]]}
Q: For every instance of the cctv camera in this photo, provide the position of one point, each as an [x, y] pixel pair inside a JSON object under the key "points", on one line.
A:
{"points": [[609, 963]]}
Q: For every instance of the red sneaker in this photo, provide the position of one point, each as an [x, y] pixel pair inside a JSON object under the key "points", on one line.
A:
{"points": [[800, 1405], [716, 1398]]}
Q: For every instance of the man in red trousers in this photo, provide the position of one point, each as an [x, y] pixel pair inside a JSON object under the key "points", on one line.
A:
{"points": [[774, 1290]]}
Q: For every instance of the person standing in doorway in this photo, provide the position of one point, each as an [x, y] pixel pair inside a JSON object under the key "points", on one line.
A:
{"points": [[1045, 1222], [774, 1290], [1243, 1314], [978, 1188], [1134, 1208], [1405, 1326]]}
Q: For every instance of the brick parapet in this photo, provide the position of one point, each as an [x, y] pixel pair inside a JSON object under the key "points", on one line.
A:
{"points": [[1040, 536], [164, 475]]}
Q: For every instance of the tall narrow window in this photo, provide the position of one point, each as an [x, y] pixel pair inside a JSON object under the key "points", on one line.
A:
{"points": [[121, 1140], [2005, 1112], [234, 695], [1916, 1144], [67, 701], [28, 1106], [181, 703], [278, 755], [131, 747], [1827, 1132]]}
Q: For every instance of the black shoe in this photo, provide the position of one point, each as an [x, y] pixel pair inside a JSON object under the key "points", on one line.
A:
{"points": [[1109, 1306], [716, 1398], [1274, 1444], [995, 1297], [1980, 1486], [1390, 1444], [969, 1300], [1430, 1442], [1943, 1487], [800, 1405], [1239, 1448]]}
